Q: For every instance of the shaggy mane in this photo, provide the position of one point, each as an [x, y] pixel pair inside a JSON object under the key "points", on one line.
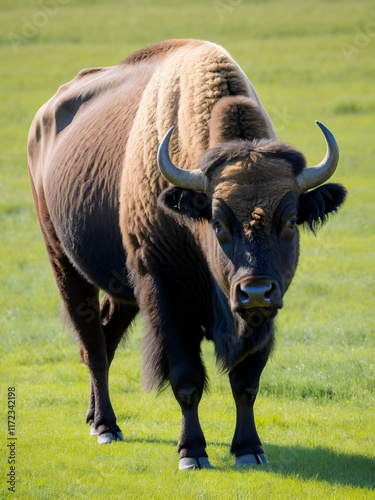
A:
{"points": [[239, 149]]}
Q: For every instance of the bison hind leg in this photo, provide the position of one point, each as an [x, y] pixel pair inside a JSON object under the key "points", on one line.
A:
{"points": [[115, 318]]}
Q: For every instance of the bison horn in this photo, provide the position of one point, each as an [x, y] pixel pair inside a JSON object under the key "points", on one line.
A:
{"points": [[187, 179], [314, 176]]}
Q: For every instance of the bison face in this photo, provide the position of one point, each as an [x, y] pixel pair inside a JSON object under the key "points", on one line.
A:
{"points": [[253, 259], [253, 195]]}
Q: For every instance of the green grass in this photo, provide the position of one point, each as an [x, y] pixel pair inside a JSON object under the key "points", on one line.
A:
{"points": [[315, 411]]}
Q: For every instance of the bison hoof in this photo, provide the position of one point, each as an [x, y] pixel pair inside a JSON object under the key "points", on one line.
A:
{"points": [[256, 459], [93, 431], [109, 437], [194, 463]]}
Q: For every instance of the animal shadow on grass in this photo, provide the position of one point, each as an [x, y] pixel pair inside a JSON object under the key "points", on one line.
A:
{"points": [[322, 464], [307, 463], [167, 442]]}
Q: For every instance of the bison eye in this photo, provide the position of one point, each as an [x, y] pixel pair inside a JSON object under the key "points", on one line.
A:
{"points": [[222, 230], [292, 222], [289, 230], [217, 225]]}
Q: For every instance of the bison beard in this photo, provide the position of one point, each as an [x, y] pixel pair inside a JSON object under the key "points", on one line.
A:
{"points": [[248, 335], [200, 234]]}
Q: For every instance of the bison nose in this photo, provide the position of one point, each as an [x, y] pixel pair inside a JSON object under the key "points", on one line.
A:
{"points": [[256, 292]]}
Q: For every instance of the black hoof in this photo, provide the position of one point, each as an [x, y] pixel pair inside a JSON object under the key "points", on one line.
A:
{"points": [[187, 463], [250, 459]]}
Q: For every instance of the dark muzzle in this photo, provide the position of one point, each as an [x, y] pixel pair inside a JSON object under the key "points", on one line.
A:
{"points": [[256, 299]]}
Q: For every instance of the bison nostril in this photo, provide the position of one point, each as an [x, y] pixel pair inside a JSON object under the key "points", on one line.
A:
{"points": [[243, 295], [268, 294]]}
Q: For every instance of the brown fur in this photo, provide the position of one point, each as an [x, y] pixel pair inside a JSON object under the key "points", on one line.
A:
{"points": [[257, 182], [159, 50], [237, 117]]}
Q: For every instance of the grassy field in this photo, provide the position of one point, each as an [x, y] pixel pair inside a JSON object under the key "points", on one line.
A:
{"points": [[315, 412]]}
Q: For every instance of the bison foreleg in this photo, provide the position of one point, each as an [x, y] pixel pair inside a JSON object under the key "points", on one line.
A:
{"points": [[244, 379], [187, 385]]}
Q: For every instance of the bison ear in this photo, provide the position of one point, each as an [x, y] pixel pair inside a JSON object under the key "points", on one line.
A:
{"points": [[181, 201], [315, 206]]}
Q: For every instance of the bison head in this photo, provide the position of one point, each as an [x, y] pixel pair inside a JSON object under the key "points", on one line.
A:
{"points": [[254, 193]]}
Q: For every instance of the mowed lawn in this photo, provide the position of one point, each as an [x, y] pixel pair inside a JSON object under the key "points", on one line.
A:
{"points": [[315, 411]]}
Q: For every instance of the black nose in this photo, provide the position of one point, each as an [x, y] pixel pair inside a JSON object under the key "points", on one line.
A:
{"points": [[254, 292]]}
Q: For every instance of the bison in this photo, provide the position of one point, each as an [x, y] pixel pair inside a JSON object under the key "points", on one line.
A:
{"points": [[197, 229]]}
